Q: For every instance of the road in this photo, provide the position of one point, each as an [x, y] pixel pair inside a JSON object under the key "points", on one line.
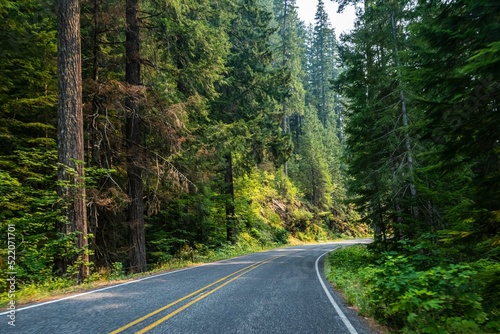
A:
{"points": [[278, 291]]}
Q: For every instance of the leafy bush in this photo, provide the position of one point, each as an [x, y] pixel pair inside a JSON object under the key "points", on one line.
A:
{"points": [[438, 300], [281, 236], [117, 271], [342, 268], [351, 258], [408, 294], [488, 279]]}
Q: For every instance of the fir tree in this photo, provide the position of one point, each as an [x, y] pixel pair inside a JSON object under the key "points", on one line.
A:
{"points": [[70, 171], [247, 111]]}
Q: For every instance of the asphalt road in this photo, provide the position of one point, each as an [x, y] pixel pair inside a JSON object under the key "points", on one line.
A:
{"points": [[278, 291]]}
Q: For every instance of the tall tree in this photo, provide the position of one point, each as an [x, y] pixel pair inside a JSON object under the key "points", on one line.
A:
{"points": [[70, 132], [457, 85], [247, 111], [379, 148], [288, 52], [28, 136], [396, 32], [134, 138], [322, 60], [315, 177], [322, 137]]}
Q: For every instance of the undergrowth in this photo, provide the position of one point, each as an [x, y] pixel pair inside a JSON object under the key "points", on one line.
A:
{"points": [[27, 293], [398, 291], [190, 229]]}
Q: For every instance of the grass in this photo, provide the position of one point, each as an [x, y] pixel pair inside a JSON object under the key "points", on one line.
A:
{"points": [[342, 270]]}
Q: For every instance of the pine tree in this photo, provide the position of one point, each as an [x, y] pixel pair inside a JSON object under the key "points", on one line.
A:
{"points": [[378, 138], [320, 48], [321, 70], [288, 51], [247, 111], [28, 133], [315, 177], [70, 131], [456, 79], [28, 85]]}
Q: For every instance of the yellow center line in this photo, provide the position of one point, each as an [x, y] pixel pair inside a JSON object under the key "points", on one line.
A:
{"points": [[180, 309], [121, 329]]}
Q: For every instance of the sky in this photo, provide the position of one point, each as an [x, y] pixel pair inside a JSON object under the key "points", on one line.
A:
{"points": [[341, 22]]}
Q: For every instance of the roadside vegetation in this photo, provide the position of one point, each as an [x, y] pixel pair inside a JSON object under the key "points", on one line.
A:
{"points": [[268, 220], [417, 289], [421, 84]]}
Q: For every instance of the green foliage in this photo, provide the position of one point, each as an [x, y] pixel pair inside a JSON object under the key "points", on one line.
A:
{"points": [[351, 258], [342, 268], [281, 236], [438, 300], [414, 296], [247, 115], [117, 272], [313, 174], [288, 47], [458, 99], [30, 204], [488, 280], [441, 59], [30, 291]]}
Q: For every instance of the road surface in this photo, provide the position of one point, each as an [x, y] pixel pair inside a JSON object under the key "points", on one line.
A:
{"points": [[278, 291]]}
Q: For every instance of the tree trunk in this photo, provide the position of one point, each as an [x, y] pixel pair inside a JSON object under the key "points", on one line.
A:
{"points": [[404, 116], [283, 37], [70, 172], [137, 237], [229, 189]]}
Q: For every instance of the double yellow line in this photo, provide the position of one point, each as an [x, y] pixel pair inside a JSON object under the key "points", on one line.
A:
{"points": [[228, 279]]}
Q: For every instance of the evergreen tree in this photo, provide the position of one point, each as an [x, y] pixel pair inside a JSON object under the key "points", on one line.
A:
{"points": [[28, 85], [456, 80], [315, 176], [70, 132], [288, 54], [321, 65], [28, 132], [319, 58], [378, 139], [247, 110]]}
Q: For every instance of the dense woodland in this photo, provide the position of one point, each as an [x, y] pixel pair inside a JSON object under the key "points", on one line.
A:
{"points": [[135, 132]]}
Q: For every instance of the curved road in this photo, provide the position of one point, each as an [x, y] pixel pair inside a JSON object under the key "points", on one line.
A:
{"points": [[278, 291]]}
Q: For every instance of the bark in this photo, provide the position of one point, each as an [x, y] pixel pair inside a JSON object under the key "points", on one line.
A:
{"points": [[70, 171], [137, 237], [285, 117], [93, 129], [404, 116]]}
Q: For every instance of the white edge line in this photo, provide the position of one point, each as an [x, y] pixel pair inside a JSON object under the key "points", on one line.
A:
{"points": [[149, 277], [122, 284], [343, 317], [113, 286]]}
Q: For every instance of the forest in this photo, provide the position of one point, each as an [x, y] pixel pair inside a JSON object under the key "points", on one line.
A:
{"points": [[135, 134]]}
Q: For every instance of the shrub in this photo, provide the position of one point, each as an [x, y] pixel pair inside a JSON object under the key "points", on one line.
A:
{"points": [[342, 268], [281, 236], [437, 300], [411, 295]]}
